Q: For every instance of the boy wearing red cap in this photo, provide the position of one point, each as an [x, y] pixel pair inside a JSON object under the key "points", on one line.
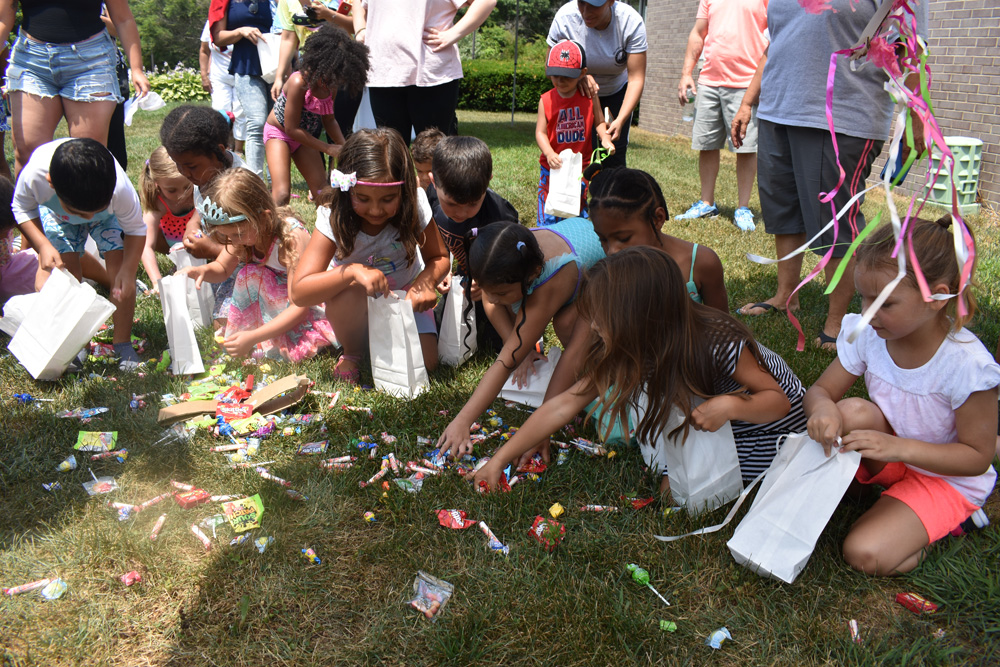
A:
{"points": [[566, 119]]}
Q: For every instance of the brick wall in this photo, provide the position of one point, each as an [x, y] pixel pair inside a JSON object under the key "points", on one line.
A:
{"points": [[964, 41]]}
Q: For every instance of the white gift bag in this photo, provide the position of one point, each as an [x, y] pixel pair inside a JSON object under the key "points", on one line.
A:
{"points": [[397, 360], [799, 494], [267, 50], [704, 468], [64, 316], [15, 310], [200, 302], [563, 200], [185, 355], [457, 337], [364, 119], [533, 393]]}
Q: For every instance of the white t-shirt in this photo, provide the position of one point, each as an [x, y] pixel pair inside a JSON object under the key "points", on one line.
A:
{"points": [[920, 403], [384, 251], [607, 50], [394, 34], [218, 62], [33, 190]]}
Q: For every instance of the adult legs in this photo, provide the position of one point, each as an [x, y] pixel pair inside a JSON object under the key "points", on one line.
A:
{"points": [[434, 106], [345, 110], [253, 95], [390, 109], [34, 123], [746, 172], [708, 172], [89, 119]]}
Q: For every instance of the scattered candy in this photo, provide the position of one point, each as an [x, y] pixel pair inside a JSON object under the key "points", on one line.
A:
{"points": [[335, 465], [918, 604], [641, 576], [492, 542], [54, 589], [28, 398], [52, 486], [130, 578], [411, 484], [240, 539], [24, 588], [244, 514], [413, 467], [207, 543], [370, 517], [639, 503], [393, 463], [120, 455], [454, 519], [852, 625], [313, 447], [354, 408], [668, 626], [430, 594], [599, 508], [311, 556], [182, 487], [374, 478], [68, 464], [716, 639], [156, 527], [189, 499], [96, 441], [548, 533], [81, 413], [100, 485], [266, 474], [556, 510], [262, 543], [296, 495]]}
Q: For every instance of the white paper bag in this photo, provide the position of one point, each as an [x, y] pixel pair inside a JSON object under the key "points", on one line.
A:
{"points": [[15, 310], [533, 393], [457, 337], [63, 318], [397, 360], [267, 50], [200, 302], [185, 356], [704, 469], [799, 494], [563, 200], [364, 119]]}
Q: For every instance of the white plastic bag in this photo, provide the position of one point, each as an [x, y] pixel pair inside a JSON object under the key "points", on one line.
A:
{"points": [[563, 200], [267, 50], [704, 468], [200, 302], [64, 316], [397, 360], [151, 101], [185, 355], [799, 494], [457, 337], [364, 119], [533, 393]]}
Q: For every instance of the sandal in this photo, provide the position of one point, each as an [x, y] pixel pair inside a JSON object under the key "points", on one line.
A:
{"points": [[352, 376], [764, 305], [826, 339]]}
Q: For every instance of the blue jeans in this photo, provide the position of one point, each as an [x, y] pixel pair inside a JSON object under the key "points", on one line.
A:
{"points": [[254, 96]]}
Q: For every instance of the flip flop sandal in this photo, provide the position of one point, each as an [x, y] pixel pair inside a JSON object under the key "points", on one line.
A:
{"points": [[826, 339], [760, 304], [350, 377]]}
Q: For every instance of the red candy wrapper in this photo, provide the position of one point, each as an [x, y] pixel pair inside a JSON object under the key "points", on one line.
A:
{"points": [[156, 527], [534, 466], [549, 533], [182, 486], [918, 604], [130, 578], [153, 501], [230, 411], [189, 499], [454, 519], [639, 503]]}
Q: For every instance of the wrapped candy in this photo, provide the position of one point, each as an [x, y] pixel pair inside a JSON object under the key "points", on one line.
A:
{"points": [[455, 519], [156, 527], [52, 486], [68, 464], [311, 556], [262, 543], [492, 542], [716, 639], [130, 578], [430, 594], [207, 543], [918, 604], [548, 532], [374, 478], [24, 588], [370, 517], [54, 589]]}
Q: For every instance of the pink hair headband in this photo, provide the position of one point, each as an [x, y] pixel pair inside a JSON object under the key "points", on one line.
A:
{"points": [[345, 182]]}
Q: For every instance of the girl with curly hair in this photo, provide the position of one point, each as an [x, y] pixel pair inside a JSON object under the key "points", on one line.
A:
{"points": [[331, 59]]}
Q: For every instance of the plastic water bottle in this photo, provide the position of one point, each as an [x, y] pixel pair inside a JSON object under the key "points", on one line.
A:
{"points": [[688, 116]]}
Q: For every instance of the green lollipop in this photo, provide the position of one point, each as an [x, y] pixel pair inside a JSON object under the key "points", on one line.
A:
{"points": [[641, 576]]}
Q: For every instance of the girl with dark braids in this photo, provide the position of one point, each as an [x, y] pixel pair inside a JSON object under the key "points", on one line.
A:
{"points": [[529, 277], [331, 59]]}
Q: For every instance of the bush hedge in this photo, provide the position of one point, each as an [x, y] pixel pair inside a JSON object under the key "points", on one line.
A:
{"points": [[181, 84], [487, 85]]}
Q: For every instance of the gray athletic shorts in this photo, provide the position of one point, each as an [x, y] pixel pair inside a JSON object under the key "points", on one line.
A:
{"points": [[715, 108], [795, 165]]}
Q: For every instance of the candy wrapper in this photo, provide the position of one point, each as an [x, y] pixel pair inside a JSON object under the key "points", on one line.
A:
{"points": [[535, 465], [130, 578], [182, 486], [313, 447], [24, 588], [370, 517], [639, 503], [374, 478], [153, 501], [296, 495], [918, 604], [455, 519], [668, 626], [548, 532], [599, 508], [52, 486], [556, 510], [716, 639], [245, 513], [189, 499], [119, 455], [100, 485], [207, 543], [852, 626], [81, 413], [266, 474], [262, 543], [492, 542], [68, 464], [393, 463], [240, 539], [156, 527], [311, 556], [96, 441], [411, 484], [54, 589], [430, 594]]}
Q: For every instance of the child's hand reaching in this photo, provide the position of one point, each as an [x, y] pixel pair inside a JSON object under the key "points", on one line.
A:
{"points": [[526, 369], [608, 145], [195, 273], [874, 445], [455, 441], [49, 258], [490, 473], [554, 160], [421, 298], [333, 150], [240, 343], [371, 279], [825, 426], [712, 414], [445, 285]]}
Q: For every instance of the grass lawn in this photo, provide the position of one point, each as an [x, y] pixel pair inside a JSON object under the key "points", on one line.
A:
{"points": [[577, 606]]}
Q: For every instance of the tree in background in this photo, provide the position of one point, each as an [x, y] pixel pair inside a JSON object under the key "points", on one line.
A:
{"points": [[170, 30]]}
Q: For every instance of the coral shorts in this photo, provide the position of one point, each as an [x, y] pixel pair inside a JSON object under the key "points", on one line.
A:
{"points": [[938, 505]]}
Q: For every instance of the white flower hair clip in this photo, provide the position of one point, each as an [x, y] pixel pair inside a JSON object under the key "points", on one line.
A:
{"points": [[214, 214], [345, 182]]}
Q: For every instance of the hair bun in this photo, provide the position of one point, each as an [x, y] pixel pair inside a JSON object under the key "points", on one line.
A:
{"points": [[944, 221]]}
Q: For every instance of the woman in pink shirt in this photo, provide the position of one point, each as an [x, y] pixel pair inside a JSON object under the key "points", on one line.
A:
{"points": [[414, 76]]}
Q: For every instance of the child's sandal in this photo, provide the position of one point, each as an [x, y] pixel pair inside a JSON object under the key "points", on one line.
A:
{"points": [[352, 376]]}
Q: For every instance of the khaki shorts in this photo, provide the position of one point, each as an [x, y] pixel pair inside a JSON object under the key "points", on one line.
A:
{"points": [[715, 108]]}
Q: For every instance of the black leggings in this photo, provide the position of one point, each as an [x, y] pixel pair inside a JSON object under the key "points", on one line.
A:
{"points": [[416, 108]]}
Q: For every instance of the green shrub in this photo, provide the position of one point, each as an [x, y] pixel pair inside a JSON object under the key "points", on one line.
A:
{"points": [[487, 85], [181, 84]]}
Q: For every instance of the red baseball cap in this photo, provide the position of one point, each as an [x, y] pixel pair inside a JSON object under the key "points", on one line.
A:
{"points": [[566, 58]]}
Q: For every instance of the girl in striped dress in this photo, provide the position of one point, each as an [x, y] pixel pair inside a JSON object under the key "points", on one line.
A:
{"points": [[647, 337]]}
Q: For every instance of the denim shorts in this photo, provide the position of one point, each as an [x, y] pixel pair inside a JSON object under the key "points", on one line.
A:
{"points": [[82, 72], [70, 237]]}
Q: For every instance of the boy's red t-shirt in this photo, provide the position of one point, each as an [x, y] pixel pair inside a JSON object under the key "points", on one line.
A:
{"points": [[570, 122]]}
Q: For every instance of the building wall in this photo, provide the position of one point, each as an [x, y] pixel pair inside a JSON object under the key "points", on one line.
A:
{"points": [[964, 45]]}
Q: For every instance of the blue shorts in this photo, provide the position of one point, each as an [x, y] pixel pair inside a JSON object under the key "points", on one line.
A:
{"points": [[544, 220], [82, 72], [68, 237]]}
